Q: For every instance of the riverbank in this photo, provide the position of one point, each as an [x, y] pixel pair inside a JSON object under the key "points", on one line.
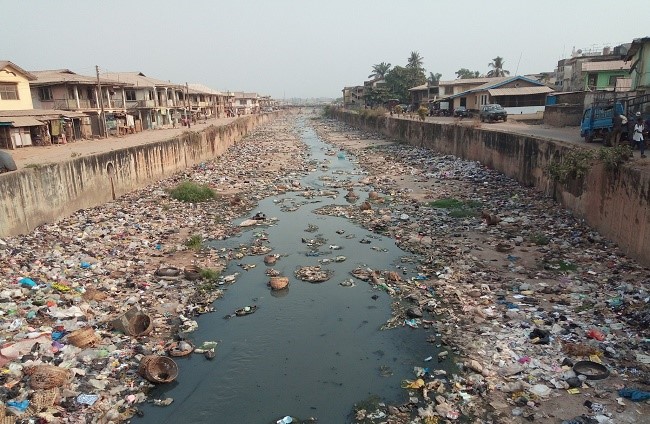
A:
{"points": [[85, 271], [523, 289]]}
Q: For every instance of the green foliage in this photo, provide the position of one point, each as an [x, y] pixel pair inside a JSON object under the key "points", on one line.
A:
{"points": [[194, 242], [464, 73], [562, 266], [380, 111], [574, 164], [458, 208], [209, 274], [188, 191], [613, 157], [423, 112], [539, 239], [379, 70], [497, 68], [377, 96]]}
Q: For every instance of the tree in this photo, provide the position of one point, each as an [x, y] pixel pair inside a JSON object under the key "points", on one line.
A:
{"points": [[377, 96], [433, 78], [415, 62], [379, 70], [497, 68], [464, 73], [398, 83]]}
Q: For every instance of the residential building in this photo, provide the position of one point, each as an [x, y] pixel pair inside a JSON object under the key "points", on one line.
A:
{"points": [[14, 87], [638, 56], [62, 89], [569, 75], [206, 102], [603, 75], [353, 96], [153, 102], [516, 94], [246, 103], [423, 94]]}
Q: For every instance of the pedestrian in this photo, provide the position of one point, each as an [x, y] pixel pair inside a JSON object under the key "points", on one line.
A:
{"points": [[615, 137], [637, 136]]}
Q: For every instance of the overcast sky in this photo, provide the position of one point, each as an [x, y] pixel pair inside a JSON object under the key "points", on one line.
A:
{"points": [[304, 48]]}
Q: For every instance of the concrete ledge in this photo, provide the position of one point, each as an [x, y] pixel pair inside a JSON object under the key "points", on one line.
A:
{"points": [[615, 203], [35, 196]]}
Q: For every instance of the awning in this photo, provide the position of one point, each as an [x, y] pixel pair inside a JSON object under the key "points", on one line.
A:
{"points": [[23, 121], [519, 91]]}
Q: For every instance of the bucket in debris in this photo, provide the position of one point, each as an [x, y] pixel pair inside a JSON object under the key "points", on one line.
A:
{"points": [[158, 369], [134, 323]]}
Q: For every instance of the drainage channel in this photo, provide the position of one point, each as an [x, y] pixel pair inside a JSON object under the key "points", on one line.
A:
{"points": [[312, 350]]}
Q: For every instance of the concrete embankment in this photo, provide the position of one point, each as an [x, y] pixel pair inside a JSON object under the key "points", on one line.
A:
{"points": [[34, 196], [616, 203]]}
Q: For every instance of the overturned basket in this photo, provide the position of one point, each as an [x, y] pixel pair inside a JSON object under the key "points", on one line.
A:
{"points": [[83, 337], [158, 369], [279, 283], [47, 376], [134, 323]]}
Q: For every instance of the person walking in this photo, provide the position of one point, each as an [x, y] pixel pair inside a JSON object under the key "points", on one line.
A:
{"points": [[616, 130], [637, 135]]}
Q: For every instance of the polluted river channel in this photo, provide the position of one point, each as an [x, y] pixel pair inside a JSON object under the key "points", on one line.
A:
{"points": [[312, 350]]}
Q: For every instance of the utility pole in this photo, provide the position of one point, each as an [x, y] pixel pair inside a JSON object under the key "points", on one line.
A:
{"points": [[189, 105], [102, 116]]}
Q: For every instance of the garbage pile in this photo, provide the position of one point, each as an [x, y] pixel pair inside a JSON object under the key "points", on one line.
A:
{"points": [[545, 318], [96, 307]]}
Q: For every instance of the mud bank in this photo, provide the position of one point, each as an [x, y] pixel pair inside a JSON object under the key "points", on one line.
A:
{"points": [[614, 203], [45, 193]]}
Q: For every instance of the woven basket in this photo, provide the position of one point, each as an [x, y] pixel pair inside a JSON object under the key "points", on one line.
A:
{"points": [[134, 323], [83, 337], [47, 377], [279, 283], [158, 369]]}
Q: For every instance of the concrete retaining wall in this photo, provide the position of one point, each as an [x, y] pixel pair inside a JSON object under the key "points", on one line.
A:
{"points": [[617, 204], [34, 196], [563, 115]]}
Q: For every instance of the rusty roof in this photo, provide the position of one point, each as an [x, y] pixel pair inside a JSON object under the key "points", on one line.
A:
{"points": [[63, 76], [519, 91]]}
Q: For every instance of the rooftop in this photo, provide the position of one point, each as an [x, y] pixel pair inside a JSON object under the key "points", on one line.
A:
{"points": [[59, 76]]}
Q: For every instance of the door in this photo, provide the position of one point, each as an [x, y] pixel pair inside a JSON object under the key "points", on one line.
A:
{"points": [[463, 102]]}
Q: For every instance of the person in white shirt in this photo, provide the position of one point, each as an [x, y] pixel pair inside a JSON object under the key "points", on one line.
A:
{"points": [[637, 135]]}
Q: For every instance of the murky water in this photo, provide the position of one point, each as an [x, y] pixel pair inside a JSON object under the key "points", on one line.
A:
{"points": [[316, 349]]}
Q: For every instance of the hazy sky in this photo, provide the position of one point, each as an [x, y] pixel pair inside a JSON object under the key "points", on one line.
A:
{"points": [[304, 48]]}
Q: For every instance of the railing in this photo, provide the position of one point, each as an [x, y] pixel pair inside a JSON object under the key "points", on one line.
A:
{"points": [[116, 103], [146, 103]]}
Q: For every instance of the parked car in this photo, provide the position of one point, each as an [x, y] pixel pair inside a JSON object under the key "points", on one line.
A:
{"points": [[461, 112], [492, 113]]}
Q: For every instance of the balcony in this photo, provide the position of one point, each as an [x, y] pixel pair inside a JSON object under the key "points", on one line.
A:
{"points": [[146, 103]]}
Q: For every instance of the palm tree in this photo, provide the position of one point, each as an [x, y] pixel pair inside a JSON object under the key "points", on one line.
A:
{"points": [[433, 78], [415, 61], [379, 70], [497, 68]]}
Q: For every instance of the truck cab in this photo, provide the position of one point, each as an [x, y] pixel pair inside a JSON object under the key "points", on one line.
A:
{"points": [[598, 120]]}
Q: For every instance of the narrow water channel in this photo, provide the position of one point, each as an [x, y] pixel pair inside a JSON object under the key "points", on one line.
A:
{"points": [[315, 349]]}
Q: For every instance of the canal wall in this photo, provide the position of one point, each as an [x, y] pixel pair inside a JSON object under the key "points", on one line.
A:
{"points": [[616, 203], [34, 196]]}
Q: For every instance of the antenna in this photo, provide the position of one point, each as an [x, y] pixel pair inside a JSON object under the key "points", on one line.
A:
{"points": [[517, 70]]}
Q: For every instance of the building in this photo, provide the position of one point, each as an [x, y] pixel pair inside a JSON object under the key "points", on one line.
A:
{"points": [[569, 74], [62, 89], [516, 94], [638, 56], [353, 96], [245, 103], [14, 87], [154, 103], [206, 102], [604, 75], [423, 94]]}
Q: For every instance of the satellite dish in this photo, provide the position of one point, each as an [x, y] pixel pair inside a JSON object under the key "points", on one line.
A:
{"points": [[579, 51]]}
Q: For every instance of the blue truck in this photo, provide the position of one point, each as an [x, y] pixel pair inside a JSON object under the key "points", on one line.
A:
{"points": [[598, 120]]}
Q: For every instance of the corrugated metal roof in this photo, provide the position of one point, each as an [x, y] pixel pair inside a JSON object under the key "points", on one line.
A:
{"points": [[24, 121], [609, 65], [61, 76], [420, 87], [519, 91], [139, 79]]}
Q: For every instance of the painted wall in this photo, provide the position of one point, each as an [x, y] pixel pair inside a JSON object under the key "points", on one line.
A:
{"points": [[617, 204], [12, 76], [35, 196]]}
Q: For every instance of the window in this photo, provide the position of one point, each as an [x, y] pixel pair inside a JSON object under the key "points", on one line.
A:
{"points": [[130, 95], [44, 93], [9, 92], [612, 80], [71, 93]]}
